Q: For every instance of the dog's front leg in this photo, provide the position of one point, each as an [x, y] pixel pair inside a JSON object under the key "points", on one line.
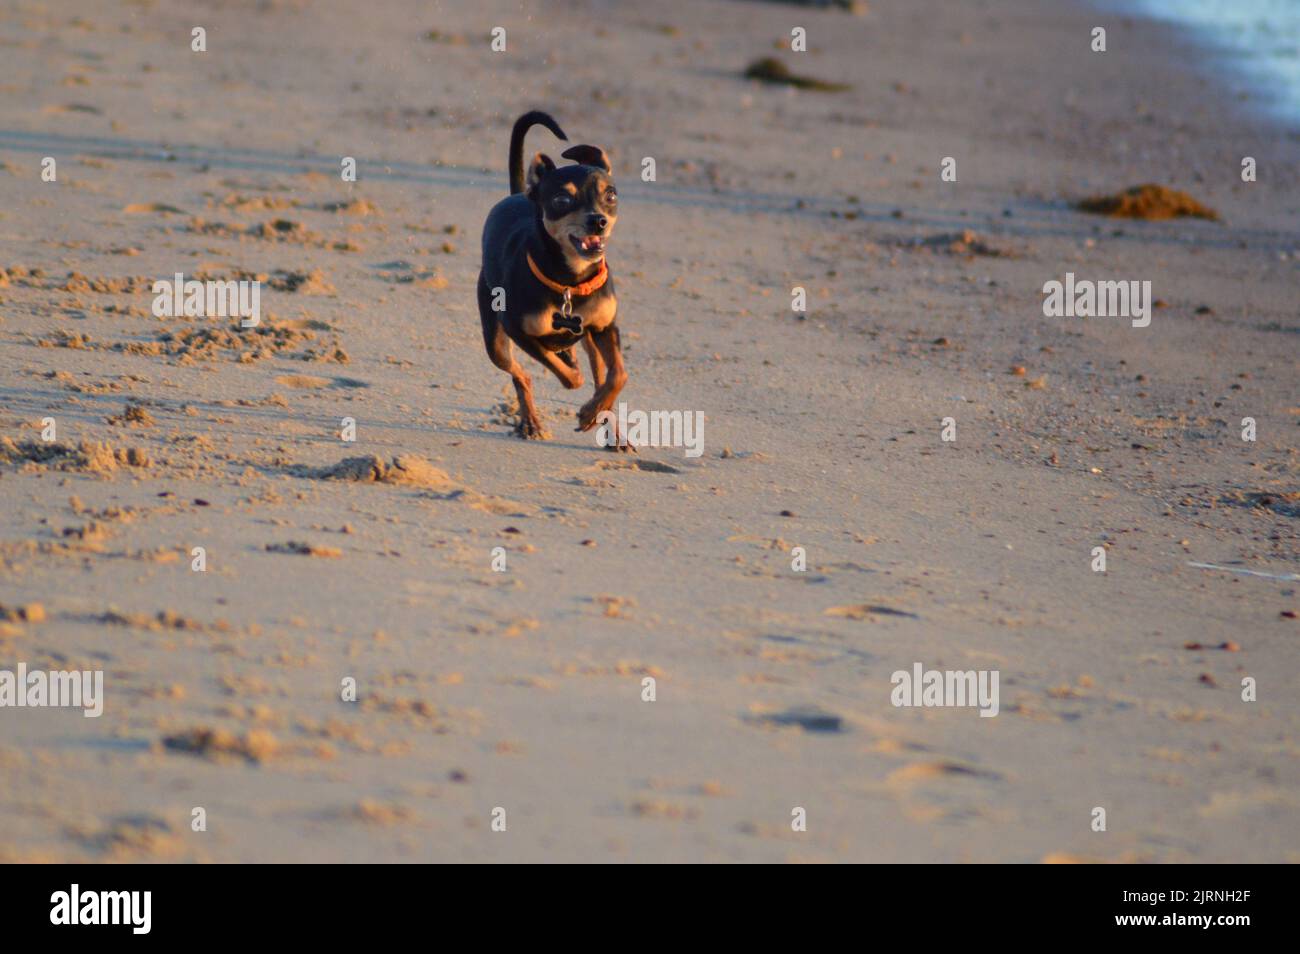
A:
{"points": [[607, 345], [594, 359]]}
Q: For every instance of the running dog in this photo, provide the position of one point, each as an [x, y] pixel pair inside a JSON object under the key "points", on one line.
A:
{"points": [[544, 282]]}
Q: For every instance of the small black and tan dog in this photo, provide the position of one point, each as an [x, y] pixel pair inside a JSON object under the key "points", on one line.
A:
{"points": [[544, 283]]}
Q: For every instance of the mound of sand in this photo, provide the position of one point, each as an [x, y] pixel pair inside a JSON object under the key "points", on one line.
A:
{"points": [[78, 283], [28, 613], [352, 207], [409, 469], [275, 230], [299, 548], [967, 243], [1148, 201], [257, 203], [313, 282], [133, 415], [305, 283], [256, 745], [87, 457], [245, 344]]}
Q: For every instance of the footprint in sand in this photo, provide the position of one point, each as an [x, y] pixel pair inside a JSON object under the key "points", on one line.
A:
{"points": [[866, 611], [653, 466], [920, 773], [310, 382], [74, 108], [807, 718], [139, 208]]}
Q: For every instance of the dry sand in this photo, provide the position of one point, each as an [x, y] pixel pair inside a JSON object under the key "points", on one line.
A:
{"points": [[522, 690]]}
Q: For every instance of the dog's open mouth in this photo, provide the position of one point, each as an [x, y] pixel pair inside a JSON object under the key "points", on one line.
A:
{"points": [[588, 244]]}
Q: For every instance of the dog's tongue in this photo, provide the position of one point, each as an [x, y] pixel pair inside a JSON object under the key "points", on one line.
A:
{"points": [[591, 242]]}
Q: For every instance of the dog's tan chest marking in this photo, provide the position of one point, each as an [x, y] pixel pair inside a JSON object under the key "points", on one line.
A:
{"points": [[597, 315]]}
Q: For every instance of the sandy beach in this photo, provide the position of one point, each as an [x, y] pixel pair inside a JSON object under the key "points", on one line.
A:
{"points": [[519, 692]]}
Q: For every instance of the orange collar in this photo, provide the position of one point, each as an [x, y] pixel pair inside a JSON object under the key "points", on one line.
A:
{"points": [[576, 291]]}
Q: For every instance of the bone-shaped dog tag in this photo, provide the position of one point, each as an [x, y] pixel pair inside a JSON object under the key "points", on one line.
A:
{"points": [[571, 323], [565, 318]]}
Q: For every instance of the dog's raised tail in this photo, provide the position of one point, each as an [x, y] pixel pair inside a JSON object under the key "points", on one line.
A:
{"points": [[522, 125]]}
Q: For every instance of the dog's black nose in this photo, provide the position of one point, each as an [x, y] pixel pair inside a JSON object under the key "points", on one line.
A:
{"points": [[597, 223]]}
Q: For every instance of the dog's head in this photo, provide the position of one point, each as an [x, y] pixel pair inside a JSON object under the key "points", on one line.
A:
{"points": [[578, 204]]}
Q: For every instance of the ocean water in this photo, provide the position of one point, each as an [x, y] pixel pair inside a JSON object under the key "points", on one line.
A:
{"points": [[1257, 41]]}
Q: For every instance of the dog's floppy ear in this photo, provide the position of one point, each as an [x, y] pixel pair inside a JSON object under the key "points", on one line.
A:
{"points": [[588, 156], [540, 165]]}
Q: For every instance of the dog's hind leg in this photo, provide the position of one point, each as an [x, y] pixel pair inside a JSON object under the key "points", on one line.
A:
{"points": [[568, 371], [560, 363], [498, 348]]}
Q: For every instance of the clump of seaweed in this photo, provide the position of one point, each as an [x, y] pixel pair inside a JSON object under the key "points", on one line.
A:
{"points": [[769, 69], [1149, 201]]}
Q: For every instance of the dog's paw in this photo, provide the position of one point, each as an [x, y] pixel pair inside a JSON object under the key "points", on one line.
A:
{"points": [[587, 415], [531, 430]]}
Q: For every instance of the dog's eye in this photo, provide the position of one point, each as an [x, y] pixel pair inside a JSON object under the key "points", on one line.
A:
{"points": [[561, 202], [611, 197]]}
